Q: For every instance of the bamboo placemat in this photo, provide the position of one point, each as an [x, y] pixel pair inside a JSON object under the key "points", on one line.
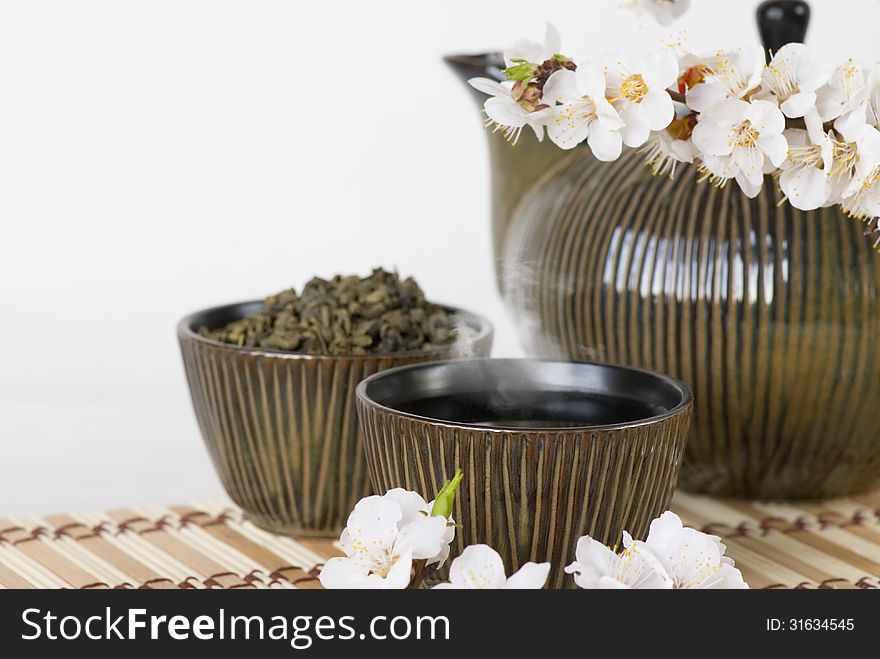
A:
{"points": [[832, 544]]}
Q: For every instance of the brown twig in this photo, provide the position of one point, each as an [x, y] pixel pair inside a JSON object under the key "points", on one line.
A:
{"points": [[418, 574], [678, 97]]}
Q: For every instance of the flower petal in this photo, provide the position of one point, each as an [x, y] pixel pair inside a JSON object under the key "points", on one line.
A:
{"points": [[605, 144], [371, 530], [344, 573], [829, 102], [683, 150], [704, 95], [663, 530], [525, 49], [448, 537], [640, 568], [412, 505], [765, 117], [610, 583], [636, 129], [597, 566], [505, 111], [618, 65], [400, 574], [727, 577], [660, 70], [552, 40], [488, 86], [774, 146], [593, 560], [750, 187], [562, 85], [537, 127], [720, 166], [478, 567], [529, 576], [711, 139], [815, 130], [606, 113], [659, 109], [812, 72], [797, 105], [726, 113], [691, 558], [590, 80], [852, 124], [568, 126], [869, 146], [424, 537], [806, 188], [749, 63], [750, 162]]}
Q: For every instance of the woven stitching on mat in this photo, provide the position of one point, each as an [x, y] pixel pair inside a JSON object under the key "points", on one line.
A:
{"points": [[804, 522], [163, 538], [17, 537]]}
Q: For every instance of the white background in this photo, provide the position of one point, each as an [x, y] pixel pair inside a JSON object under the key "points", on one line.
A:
{"points": [[161, 156]]}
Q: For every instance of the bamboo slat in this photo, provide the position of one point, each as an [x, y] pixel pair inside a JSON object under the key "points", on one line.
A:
{"points": [[830, 544]]}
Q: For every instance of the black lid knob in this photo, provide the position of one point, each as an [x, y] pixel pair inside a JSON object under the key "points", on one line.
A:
{"points": [[781, 22]]}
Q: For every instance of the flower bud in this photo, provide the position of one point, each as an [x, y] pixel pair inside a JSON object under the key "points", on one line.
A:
{"points": [[446, 496], [521, 70]]}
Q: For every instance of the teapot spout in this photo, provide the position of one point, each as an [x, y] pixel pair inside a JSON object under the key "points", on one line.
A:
{"points": [[515, 168], [479, 65]]}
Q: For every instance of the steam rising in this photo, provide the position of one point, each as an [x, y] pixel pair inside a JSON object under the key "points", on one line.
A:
{"points": [[525, 285]]}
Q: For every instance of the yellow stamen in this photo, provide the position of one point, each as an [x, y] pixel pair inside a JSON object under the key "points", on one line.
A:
{"points": [[633, 88], [707, 175], [742, 135]]}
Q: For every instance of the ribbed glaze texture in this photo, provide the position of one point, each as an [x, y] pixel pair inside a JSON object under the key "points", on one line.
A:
{"points": [[771, 314], [531, 495], [282, 430]]}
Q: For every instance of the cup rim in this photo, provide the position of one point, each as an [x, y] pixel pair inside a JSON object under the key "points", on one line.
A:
{"points": [[686, 402], [185, 329]]}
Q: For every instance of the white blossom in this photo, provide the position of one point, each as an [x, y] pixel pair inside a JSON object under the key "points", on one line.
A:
{"points": [[673, 556], [735, 139], [691, 559], [855, 161], [480, 567], [723, 75], [792, 78], [536, 52], [505, 111], [582, 113], [814, 127], [382, 537], [864, 203], [599, 567], [670, 146], [845, 99], [806, 171], [637, 88], [857, 168]]}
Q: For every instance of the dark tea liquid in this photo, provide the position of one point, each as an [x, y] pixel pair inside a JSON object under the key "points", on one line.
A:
{"points": [[530, 409]]}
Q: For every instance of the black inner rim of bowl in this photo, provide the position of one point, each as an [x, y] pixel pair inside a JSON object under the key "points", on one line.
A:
{"points": [[526, 394]]}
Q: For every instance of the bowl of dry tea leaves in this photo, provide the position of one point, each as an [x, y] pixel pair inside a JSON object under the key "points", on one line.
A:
{"points": [[273, 384]]}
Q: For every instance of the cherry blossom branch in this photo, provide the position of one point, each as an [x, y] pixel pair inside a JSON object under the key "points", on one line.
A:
{"points": [[676, 96], [734, 121]]}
